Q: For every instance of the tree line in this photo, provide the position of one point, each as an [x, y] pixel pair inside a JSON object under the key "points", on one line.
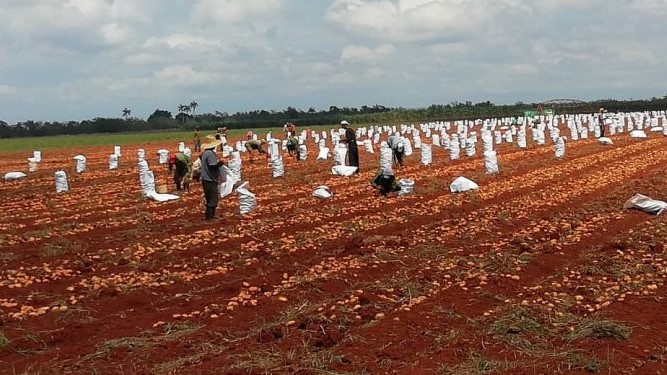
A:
{"points": [[186, 119]]}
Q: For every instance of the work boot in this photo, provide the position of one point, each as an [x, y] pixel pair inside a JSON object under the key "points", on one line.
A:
{"points": [[209, 213]]}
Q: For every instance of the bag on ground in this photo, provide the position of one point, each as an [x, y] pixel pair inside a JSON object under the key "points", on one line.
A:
{"points": [[462, 184], [61, 182], [247, 200], [646, 204]]}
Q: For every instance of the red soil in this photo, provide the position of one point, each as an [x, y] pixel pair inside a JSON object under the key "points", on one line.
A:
{"points": [[507, 279]]}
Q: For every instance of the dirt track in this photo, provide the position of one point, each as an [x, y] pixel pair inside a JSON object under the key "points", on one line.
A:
{"points": [[540, 271]]}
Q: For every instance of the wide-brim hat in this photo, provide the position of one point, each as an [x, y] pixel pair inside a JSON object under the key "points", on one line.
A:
{"points": [[344, 122], [210, 142]]}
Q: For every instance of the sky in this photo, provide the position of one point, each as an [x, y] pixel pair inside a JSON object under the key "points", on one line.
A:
{"points": [[64, 60]]}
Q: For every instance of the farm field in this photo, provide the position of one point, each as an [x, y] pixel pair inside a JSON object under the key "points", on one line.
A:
{"points": [[539, 271]]}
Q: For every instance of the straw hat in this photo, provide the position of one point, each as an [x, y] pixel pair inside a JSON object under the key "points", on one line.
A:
{"points": [[210, 142]]}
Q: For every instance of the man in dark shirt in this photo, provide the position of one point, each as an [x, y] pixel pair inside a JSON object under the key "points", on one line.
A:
{"points": [[351, 141], [210, 174]]}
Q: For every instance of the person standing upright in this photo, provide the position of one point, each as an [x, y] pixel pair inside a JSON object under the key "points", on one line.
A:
{"points": [[352, 149], [197, 140], [210, 175], [601, 121]]}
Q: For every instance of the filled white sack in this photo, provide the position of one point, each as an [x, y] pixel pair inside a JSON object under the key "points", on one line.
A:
{"points": [[646, 204], [247, 200], [116, 150], [559, 147], [637, 134], [147, 182], [163, 156], [141, 154], [32, 165], [235, 165], [322, 192], [605, 141], [61, 182], [386, 156], [113, 161], [407, 186], [80, 163], [303, 153], [368, 145], [462, 184], [37, 154], [426, 154], [343, 170], [407, 147], [11, 176], [323, 154], [491, 162], [277, 167], [340, 151]]}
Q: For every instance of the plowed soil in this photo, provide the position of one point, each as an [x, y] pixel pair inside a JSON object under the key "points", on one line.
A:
{"points": [[540, 271]]}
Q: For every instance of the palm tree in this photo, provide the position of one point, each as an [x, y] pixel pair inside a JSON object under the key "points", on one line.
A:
{"points": [[193, 106], [184, 109], [126, 113]]}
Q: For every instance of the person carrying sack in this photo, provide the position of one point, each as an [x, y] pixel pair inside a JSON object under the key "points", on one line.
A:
{"points": [[385, 182], [210, 175], [352, 149]]}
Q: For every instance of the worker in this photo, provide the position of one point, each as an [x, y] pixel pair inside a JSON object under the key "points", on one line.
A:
{"points": [[181, 166], [256, 145], [385, 182], [293, 146], [352, 149], [397, 146]]}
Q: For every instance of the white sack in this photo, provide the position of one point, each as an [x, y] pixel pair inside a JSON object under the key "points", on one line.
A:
{"points": [[491, 162], [340, 152], [343, 170], [163, 156], [646, 204], [80, 163], [247, 200], [61, 182], [113, 161], [32, 165], [235, 166], [462, 184], [147, 181], [181, 146], [426, 154], [521, 139], [11, 176], [471, 149], [386, 156], [407, 147], [323, 154], [407, 186], [116, 150], [161, 197], [227, 186], [303, 153], [277, 167], [605, 141], [141, 154], [368, 145], [637, 134], [37, 154], [322, 192], [560, 147]]}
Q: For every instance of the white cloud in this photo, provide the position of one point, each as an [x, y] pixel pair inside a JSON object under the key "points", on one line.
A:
{"points": [[356, 53], [233, 10], [182, 41]]}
